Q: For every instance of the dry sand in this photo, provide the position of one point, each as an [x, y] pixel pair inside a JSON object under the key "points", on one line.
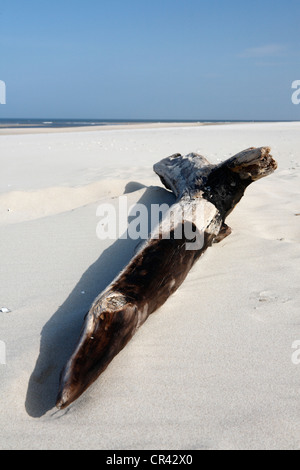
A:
{"points": [[212, 368]]}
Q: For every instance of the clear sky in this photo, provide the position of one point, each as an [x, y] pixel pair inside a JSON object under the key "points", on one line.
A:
{"points": [[150, 59]]}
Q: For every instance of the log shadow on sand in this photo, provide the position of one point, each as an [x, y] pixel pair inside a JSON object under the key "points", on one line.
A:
{"points": [[61, 332]]}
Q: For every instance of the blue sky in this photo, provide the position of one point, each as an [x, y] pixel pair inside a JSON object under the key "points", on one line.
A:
{"points": [[142, 59]]}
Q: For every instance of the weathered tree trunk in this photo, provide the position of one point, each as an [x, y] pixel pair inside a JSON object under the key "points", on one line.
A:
{"points": [[206, 194]]}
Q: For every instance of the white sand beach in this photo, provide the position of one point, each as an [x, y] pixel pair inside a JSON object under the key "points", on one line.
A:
{"points": [[212, 368]]}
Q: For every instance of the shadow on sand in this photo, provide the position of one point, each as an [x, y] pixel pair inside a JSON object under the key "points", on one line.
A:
{"points": [[60, 334]]}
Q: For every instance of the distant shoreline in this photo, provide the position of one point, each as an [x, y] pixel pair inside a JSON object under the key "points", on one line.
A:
{"points": [[19, 128]]}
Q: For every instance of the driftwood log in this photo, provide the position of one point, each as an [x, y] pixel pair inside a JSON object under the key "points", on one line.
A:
{"points": [[206, 194]]}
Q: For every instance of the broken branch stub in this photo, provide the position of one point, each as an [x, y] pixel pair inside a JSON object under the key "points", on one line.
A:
{"points": [[206, 194]]}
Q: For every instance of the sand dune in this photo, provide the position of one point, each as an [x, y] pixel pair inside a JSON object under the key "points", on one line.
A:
{"points": [[212, 368], [18, 206]]}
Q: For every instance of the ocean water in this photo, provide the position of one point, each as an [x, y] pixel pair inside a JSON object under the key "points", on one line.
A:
{"points": [[56, 123], [48, 122]]}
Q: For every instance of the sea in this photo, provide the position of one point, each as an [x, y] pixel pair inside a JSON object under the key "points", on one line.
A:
{"points": [[57, 123]]}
